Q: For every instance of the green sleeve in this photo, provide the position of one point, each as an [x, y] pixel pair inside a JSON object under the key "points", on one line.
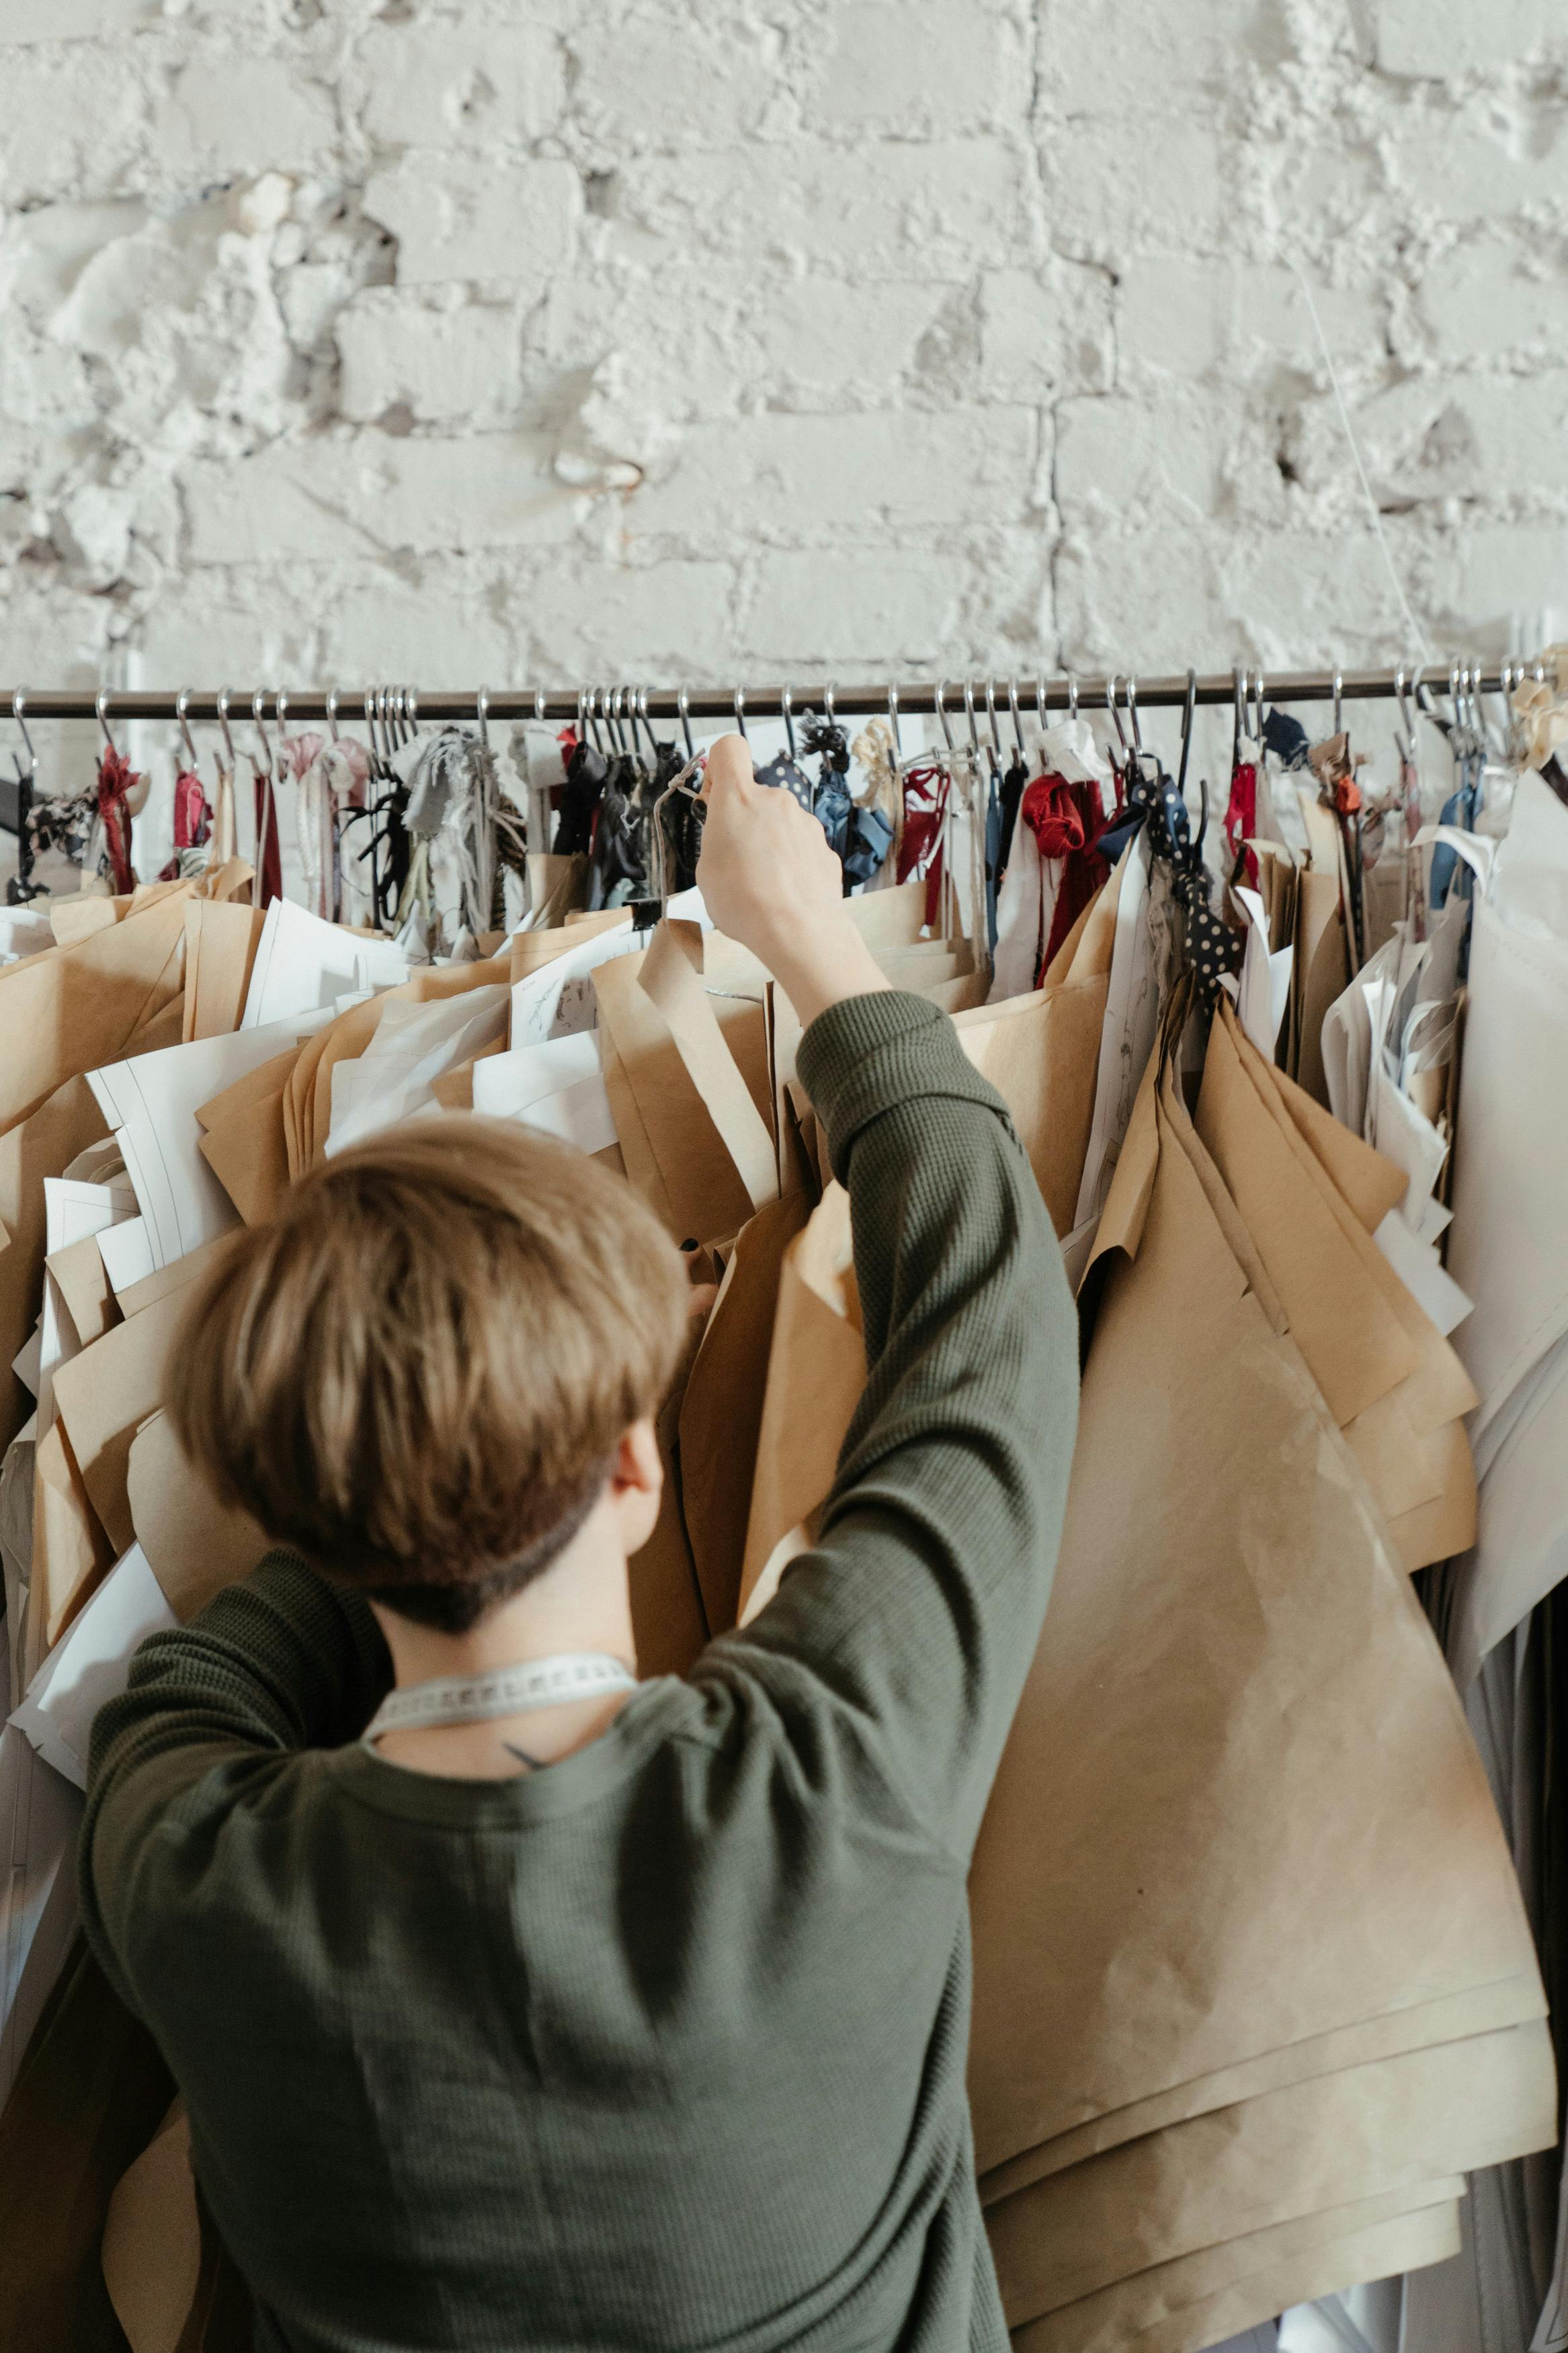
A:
{"points": [[895, 1651], [281, 1661]]}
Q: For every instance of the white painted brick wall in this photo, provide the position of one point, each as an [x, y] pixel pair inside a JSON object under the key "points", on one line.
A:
{"points": [[558, 338]]}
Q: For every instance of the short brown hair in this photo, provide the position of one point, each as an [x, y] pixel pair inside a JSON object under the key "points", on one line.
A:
{"points": [[418, 1370]]}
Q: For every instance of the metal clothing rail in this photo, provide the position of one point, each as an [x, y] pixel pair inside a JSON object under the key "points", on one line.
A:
{"points": [[1059, 692]]}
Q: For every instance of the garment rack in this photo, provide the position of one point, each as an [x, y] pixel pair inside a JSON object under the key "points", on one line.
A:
{"points": [[1055, 693]]}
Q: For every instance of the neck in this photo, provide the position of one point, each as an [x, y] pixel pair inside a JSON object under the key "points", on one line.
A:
{"points": [[581, 1602]]}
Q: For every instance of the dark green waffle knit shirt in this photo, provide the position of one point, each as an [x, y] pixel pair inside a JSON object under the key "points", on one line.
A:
{"points": [[662, 2046]]}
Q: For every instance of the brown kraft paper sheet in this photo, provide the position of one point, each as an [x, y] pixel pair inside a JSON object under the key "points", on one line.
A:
{"points": [[42, 1146], [1401, 2125], [72, 1009], [1320, 2268], [706, 1195], [1173, 2293], [721, 1414], [1229, 1642]]}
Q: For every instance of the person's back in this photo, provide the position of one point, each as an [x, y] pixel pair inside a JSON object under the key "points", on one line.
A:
{"points": [[637, 2019]]}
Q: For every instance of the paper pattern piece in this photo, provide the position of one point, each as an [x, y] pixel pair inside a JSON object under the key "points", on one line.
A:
{"points": [[558, 1000], [1178, 2041], [303, 963], [40, 1815], [194, 1544], [152, 1102], [89, 1664]]}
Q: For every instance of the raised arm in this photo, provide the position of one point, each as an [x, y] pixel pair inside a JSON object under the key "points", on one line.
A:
{"points": [[906, 1633], [280, 1662]]}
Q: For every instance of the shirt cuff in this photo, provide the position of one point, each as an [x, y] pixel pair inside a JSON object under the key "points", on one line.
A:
{"points": [[871, 1054]]}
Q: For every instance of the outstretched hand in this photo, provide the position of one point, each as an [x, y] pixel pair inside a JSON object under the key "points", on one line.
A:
{"points": [[770, 880]]}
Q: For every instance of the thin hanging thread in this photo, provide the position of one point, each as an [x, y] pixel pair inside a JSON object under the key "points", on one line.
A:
{"points": [[1416, 631]]}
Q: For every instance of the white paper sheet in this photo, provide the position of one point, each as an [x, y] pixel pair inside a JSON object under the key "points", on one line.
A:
{"points": [[90, 1662], [151, 1102], [506, 1083], [1263, 989], [557, 1001], [40, 1815], [1131, 1024], [23, 934], [72, 1210], [413, 1044], [127, 1253], [303, 963]]}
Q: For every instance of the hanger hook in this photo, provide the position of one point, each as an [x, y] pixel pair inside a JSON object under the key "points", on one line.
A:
{"points": [[969, 714], [1018, 717], [482, 712], [1339, 701], [281, 705], [256, 701], [332, 713], [410, 707], [224, 693], [539, 705], [1189, 708], [683, 705], [1132, 712], [182, 705], [1072, 696], [18, 701], [1040, 703], [941, 711], [827, 704], [102, 705], [741, 713], [786, 705], [893, 723], [1112, 684]]}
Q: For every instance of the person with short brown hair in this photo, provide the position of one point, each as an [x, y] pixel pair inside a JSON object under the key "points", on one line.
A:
{"points": [[518, 2004]]}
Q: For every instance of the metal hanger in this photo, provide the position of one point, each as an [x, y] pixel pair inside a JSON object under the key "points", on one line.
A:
{"points": [[940, 693], [1339, 728], [223, 695], [18, 705], [740, 713], [1111, 686], [182, 705], [682, 704], [482, 712], [1017, 715], [101, 703], [1189, 709], [893, 723], [1132, 712], [333, 714], [256, 701], [786, 704]]}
